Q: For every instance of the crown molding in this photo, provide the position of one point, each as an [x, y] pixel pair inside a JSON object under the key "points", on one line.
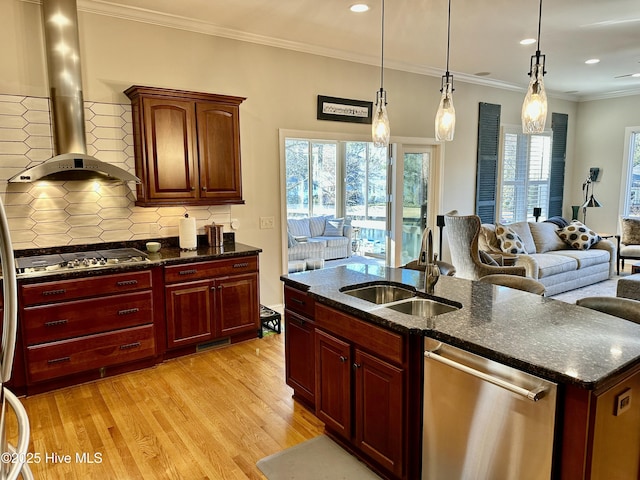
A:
{"points": [[135, 14]]}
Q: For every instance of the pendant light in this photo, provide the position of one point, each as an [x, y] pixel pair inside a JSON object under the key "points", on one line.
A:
{"points": [[446, 115], [380, 127], [534, 108]]}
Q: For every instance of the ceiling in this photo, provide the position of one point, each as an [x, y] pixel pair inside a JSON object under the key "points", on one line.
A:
{"points": [[485, 35]]}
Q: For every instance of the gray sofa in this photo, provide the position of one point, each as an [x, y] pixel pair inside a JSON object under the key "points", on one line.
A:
{"points": [[550, 260], [321, 236]]}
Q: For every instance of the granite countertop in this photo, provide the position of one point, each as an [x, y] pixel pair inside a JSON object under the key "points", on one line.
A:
{"points": [[169, 254], [549, 338]]}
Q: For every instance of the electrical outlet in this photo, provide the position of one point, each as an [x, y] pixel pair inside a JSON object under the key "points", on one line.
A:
{"points": [[267, 222]]}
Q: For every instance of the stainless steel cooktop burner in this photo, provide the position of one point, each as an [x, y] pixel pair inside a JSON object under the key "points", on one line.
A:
{"points": [[79, 260]]}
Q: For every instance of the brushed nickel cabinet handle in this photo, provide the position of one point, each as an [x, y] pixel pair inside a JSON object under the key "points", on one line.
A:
{"points": [[126, 283], [241, 265], [55, 323], [53, 361], [187, 272], [54, 292], [128, 311], [128, 346]]}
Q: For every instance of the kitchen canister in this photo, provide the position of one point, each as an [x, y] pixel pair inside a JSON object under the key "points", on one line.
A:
{"points": [[214, 234], [187, 233]]}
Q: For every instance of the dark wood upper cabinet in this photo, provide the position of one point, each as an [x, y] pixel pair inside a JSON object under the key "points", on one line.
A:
{"points": [[187, 147]]}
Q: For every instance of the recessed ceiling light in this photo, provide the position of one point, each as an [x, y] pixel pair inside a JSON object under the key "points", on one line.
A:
{"points": [[359, 7], [592, 61], [527, 41]]}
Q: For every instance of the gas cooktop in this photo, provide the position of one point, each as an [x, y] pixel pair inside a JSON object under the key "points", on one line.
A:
{"points": [[80, 260]]}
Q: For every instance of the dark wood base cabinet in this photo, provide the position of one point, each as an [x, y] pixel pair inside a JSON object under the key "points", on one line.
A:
{"points": [[361, 380], [209, 301], [83, 328], [299, 344]]}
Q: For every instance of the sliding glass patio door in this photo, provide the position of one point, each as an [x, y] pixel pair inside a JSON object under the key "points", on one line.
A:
{"points": [[366, 197]]}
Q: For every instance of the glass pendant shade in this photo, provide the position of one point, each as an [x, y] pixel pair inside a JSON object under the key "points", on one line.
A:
{"points": [[534, 107], [446, 115], [380, 130]]}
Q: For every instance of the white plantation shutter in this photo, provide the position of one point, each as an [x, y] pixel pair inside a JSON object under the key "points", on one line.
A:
{"points": [[526, 163]]}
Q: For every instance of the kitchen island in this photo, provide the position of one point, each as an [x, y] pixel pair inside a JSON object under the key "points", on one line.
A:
{"points": [[594, 359]]}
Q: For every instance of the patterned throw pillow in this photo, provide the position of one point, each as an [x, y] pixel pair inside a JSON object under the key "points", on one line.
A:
{"points": [[510, 241], [578, 236]]}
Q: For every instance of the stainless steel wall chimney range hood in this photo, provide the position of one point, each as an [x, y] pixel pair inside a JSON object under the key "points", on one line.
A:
{"points": [[62, 48]]}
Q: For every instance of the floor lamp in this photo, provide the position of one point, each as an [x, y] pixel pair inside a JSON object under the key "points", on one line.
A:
{"points": [[589, 201]]}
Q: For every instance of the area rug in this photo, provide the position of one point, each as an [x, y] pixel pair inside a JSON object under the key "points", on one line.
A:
{"points": [[606, 288], [317, 459]]}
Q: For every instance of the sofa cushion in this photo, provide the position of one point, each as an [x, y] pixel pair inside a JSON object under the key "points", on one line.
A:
{"points": [[549, 264], [318, 241], [510, 241], [630, 231], [585, 258], [545, 237], [330, 241], [316, 225], [524, 232], [577, 235], [299, 227], [333, 227]]}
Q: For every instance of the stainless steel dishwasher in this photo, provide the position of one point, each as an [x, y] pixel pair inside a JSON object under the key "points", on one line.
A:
{"points": [[484, 420]]}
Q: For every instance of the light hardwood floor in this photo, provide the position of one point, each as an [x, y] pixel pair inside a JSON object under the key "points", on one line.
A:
{"points": [[209, 415]]}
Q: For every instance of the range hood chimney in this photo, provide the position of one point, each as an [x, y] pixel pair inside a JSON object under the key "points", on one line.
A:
{"points": [[62, 48]]}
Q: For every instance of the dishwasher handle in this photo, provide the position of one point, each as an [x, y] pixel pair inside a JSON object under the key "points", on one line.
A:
{"points": [[533, 395]]}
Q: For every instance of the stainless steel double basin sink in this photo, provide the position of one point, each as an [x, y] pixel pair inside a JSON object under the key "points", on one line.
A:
{"points": [[400, 299]]}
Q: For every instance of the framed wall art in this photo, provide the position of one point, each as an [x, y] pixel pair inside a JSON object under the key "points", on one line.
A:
{"points": [[344, 110]]}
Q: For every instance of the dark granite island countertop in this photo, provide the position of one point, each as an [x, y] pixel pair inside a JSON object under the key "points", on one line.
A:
{"points": [[545, 337]]}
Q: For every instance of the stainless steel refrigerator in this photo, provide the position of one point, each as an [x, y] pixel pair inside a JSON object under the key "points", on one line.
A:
{"points": [[14, 460]]}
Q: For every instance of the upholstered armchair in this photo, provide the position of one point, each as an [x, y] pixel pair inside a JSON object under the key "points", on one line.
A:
{"points": [[618, 307], [462, 233], [629, 239]]}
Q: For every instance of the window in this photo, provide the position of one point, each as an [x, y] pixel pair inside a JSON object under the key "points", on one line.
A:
{"points": [[317, 171], [631, 190], [525, 174], [311, 177]]}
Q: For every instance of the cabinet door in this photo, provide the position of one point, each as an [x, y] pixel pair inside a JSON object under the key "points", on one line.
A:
{"points": [[237, 305], [189, 313], [379, 410], [169, 129], [300, 361], [333, 383], [219, 152]]}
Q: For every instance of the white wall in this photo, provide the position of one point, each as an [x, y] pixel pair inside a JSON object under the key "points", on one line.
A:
{"points": [[600, 143], [281, 88]]}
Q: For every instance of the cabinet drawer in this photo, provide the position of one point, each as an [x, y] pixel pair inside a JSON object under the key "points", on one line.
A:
{"points": [[299, 302], [203, 270], [67, 357], [50, 292], [47, 323], [383, 343]]}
